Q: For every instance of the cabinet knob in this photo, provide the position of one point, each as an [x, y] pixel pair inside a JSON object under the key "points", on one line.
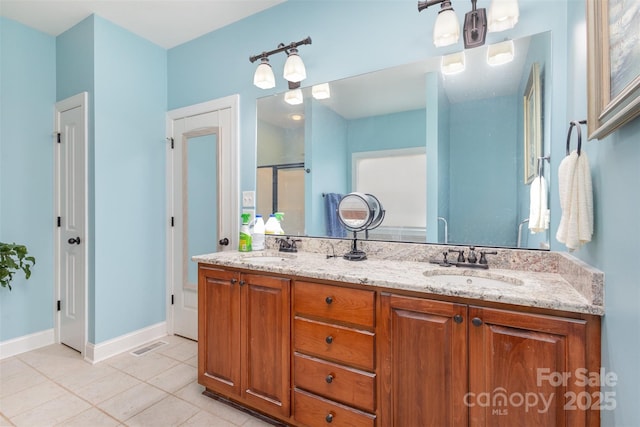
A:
{"points": [[329, 418], [242, 283], [329, 339], [476, 321], [328, 300], [234, 281], [458, 318], [329, 379]]}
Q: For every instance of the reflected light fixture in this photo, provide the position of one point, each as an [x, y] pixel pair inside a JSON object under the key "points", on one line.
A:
{"points": [[453, 64], [321, 91], [296, 117], [263, 77], [294, 70], [500, 53], [446, 30], [293, 97], [503, 15]]}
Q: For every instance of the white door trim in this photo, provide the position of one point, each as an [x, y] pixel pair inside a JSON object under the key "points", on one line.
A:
{"points": [[80, 100], [229, 187]]}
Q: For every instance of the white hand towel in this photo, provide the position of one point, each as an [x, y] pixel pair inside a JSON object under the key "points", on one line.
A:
{"points": [[576, 201], [538, 207]]}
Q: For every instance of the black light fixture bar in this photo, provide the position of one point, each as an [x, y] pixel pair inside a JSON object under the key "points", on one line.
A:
{"points": [[422, 5], [281, 48]]}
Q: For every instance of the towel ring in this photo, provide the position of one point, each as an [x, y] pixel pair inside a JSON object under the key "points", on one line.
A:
{"points": [[575, 124]]}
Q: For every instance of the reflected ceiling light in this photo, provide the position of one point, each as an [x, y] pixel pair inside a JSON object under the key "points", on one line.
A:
{"points": [[503, 15], [263, 77], [296, 117], [453, 64], [293, 97], [294, 70], [321, 91], [446, 29], [500, 53]]}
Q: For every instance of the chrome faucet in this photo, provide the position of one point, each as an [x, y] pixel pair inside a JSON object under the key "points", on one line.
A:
{"points": [[287, 245]]}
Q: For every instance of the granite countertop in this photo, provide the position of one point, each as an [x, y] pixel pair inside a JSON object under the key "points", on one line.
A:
{"points": [[548, 290]]}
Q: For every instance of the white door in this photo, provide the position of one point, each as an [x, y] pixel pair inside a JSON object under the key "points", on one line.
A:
{"points": [[71, 236], [203, 201]]}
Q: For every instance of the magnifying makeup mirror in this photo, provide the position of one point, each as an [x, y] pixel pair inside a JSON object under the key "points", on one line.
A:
{"points": [[359, 212]]}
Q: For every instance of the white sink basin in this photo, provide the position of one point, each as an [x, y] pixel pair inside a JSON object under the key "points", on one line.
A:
{"points": [[472, 278], [267, 258]]}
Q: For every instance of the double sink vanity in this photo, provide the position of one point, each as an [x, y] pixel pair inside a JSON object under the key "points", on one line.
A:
{"points": [[312, 339]]}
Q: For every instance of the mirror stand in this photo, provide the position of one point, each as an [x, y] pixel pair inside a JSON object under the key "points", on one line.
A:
{"points": [[355, 254]]}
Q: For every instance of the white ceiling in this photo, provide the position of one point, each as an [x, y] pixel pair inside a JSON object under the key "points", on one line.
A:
{"points": [[166, 23]]}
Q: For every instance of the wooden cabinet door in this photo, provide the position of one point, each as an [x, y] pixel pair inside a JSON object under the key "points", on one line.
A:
{"points": [[219, 330], [266, 343], [423, 357], [516, 362]]}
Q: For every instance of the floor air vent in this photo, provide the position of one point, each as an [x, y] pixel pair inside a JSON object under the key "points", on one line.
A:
{"points": [[147, 348]]}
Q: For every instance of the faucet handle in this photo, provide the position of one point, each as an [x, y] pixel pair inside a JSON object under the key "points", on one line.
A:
{"points": [[460, 254], [483, 258]]}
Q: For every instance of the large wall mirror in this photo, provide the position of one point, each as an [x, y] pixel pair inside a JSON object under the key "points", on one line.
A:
{"points": [[445, 154]]}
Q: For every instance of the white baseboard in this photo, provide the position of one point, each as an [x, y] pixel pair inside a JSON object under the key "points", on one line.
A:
{"points": [[98, 352], [26, 343]]}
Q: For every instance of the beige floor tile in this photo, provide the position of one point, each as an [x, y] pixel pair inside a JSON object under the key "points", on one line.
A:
{"points": [[193, 394], [193, 361], [255, 422], [55, 361], [91, 417], [142, 367], [51, 413], [207, 419], [132, 401], [175, 378], [85, 374], [169, 412], [17, 376], [107, 387], [4, 422], [181, 350], [30, 398]]}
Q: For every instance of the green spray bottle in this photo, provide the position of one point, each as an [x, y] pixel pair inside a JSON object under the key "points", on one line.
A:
{"points": [[245, 234]]}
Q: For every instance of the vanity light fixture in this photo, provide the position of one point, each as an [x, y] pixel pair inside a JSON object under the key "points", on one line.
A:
{"points": [[453, 64], [321, 91], [293, 97], [263, 77], [500, 53], [503, 15], [294, 70], [446, 29]]}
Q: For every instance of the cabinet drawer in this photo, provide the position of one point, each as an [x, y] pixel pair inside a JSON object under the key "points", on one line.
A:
{"points": [[348, 305], [346, 385], [315, 411], [334, 342]]}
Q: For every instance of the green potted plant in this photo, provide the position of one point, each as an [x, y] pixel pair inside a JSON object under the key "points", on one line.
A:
{"points": [[12, 259]]}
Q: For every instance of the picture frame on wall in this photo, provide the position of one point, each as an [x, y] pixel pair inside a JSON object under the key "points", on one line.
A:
{"points": [[532, 123], [613, 65]]}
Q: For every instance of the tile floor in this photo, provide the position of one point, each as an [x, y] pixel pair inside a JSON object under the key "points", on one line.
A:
{"points": [[54, 386]]}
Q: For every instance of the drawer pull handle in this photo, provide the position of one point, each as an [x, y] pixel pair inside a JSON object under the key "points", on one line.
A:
{"points": [[328, 300], [329, 379], [329, 418], [476, 321], [329, 339]]}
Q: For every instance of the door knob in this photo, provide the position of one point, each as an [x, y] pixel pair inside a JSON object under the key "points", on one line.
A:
{"points": [[72, 241], [224, 242]]}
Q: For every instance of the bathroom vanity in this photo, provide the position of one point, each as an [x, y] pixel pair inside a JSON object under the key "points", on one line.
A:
{"points": [[312, 340]]}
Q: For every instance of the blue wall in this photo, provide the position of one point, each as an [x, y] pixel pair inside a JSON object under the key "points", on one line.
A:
{"points": [[614, 165], [126, 79], [27, 87]]}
